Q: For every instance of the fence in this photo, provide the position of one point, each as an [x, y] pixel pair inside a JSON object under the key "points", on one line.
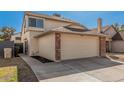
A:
{"points": [[6, 44]]}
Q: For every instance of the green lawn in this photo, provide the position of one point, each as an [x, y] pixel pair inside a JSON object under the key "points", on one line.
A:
{"points": [[1, 40], [8, 74]]}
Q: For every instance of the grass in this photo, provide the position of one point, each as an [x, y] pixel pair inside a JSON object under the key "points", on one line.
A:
{"points": [[1, 40], [25, 73], [8, 74]]}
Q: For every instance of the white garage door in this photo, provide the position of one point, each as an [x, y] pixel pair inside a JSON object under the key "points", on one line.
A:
{"points": [[77, 46], [117, 46]]}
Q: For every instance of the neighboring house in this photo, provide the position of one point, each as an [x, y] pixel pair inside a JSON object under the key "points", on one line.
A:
{"points": [[57, 38], [16, 37], [118, 42], [18, 45], [115, 42], [107, 30]]}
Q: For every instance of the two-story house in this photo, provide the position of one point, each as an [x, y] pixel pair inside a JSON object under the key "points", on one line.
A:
{"points": [[57, 38], [16, 37]]}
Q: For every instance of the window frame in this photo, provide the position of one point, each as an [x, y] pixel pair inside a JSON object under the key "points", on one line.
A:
{"points": [[36, 22]]}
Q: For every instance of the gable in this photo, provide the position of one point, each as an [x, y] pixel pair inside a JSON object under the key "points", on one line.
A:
{"points": [[122, 34], [110, 31], [117, 36], [107, 30]]}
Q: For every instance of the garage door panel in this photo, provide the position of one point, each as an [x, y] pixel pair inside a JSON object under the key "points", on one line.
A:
{"points": [[76, 46]]}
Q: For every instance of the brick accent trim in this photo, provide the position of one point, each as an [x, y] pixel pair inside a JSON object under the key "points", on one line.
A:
{"points": [[58, 46], [102, 46]]}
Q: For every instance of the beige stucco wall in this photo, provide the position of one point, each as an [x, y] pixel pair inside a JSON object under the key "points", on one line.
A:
{"points": [[76, 46], [34, 43], [117, 46], [48, 24], [13, 38], [46, 46], [51, 24], [26, 36]]}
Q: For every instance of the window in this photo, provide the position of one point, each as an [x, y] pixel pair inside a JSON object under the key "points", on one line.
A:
{"points": [[39, 23], [35, 23], [18, 38]]}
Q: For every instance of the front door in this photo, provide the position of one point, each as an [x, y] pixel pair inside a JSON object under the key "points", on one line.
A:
{"points": [[108, 46]]}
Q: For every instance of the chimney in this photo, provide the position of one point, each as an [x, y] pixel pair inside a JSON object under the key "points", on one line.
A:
{"points": [[99, 25], [56, 15]]}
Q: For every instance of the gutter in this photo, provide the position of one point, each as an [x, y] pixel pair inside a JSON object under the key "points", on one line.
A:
{"points": [[76, 33]]}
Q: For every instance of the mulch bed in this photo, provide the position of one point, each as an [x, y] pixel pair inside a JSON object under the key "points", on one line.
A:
{"points": [[25, 74], [114, 57], [41, 59]]}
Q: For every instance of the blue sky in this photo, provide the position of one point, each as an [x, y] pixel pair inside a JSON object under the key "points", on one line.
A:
{"points": [[89, 19]]}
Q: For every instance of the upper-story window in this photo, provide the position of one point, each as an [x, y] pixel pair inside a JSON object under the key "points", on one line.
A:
{"points": [[35, 23]]}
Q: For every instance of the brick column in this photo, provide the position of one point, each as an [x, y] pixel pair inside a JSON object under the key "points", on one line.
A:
{"points": [[58, 46], [102, 46]]}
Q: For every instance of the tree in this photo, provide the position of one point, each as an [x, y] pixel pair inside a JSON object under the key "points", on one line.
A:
{"points": [[122, 27], [116, 26], [7, 32]]}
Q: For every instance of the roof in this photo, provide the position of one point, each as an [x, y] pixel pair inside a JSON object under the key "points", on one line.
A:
{"points": [[47, 16], [65, 30], [75, 29], [117, 36], [69, 29], [122, 34], [53, 18], [105, 28]]}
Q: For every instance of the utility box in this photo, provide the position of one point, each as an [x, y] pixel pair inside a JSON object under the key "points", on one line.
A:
{"points": [[7, 53]]}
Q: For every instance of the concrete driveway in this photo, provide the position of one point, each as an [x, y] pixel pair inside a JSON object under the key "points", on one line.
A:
{"points": [[94, 69]]}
